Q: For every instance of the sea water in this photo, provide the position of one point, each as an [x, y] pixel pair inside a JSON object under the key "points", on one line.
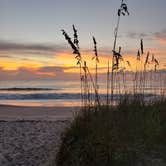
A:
{"points": [[67, 93]]}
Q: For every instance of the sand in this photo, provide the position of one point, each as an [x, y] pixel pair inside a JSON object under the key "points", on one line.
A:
{"points": [[11, 113], [30, 136]]}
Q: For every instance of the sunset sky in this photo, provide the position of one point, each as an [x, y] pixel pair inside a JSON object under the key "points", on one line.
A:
{"points": [[32, 45]]}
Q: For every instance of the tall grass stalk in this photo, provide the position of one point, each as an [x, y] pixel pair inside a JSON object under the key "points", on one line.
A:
{"points": [[108, 82], [75, 46], [96, 68], [94, 87], [123, 10], [145, 72]]}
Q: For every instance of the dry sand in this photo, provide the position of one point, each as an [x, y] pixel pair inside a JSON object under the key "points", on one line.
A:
{"points": [[30, 136]]}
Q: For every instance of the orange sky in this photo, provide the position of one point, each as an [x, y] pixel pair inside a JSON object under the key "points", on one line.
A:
{"points": [[67, 64], [46, 62], [68, 60]]}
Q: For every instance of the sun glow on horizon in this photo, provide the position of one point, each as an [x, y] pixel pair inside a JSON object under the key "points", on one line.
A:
{"points": [[15, 65], [66, 64]]}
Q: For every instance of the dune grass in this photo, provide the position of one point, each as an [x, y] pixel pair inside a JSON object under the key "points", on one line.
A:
{"points": [[122, 135]]}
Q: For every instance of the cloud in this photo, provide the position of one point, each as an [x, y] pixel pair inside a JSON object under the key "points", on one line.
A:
{"points": [[55, 72], [160, 34], [43, 73], [58, 65], [10, 48], [136, 35], [31, 48], [5, 56], [161, 37]]}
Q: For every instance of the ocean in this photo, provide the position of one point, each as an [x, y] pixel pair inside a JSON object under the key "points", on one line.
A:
{"points": [[64, 93], [40, 93]]}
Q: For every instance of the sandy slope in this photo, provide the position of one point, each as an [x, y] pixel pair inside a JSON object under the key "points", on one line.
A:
{"points": [[30, 143], [29, 136]]}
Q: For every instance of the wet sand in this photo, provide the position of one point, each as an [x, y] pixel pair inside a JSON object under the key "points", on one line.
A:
{"points": [[9, 113]]}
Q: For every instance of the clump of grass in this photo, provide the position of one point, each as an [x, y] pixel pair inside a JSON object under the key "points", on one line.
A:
{"points": [[117, 137]]}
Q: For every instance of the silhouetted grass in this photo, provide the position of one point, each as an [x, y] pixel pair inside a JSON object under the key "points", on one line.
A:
{"points": [[120, 136]]}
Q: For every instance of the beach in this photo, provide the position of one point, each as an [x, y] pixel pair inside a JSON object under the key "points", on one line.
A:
{"points": [[30, 136], [10, 113]]}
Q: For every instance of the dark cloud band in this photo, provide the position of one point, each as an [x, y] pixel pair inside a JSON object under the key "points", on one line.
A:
{"points": [[30, 48]]}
